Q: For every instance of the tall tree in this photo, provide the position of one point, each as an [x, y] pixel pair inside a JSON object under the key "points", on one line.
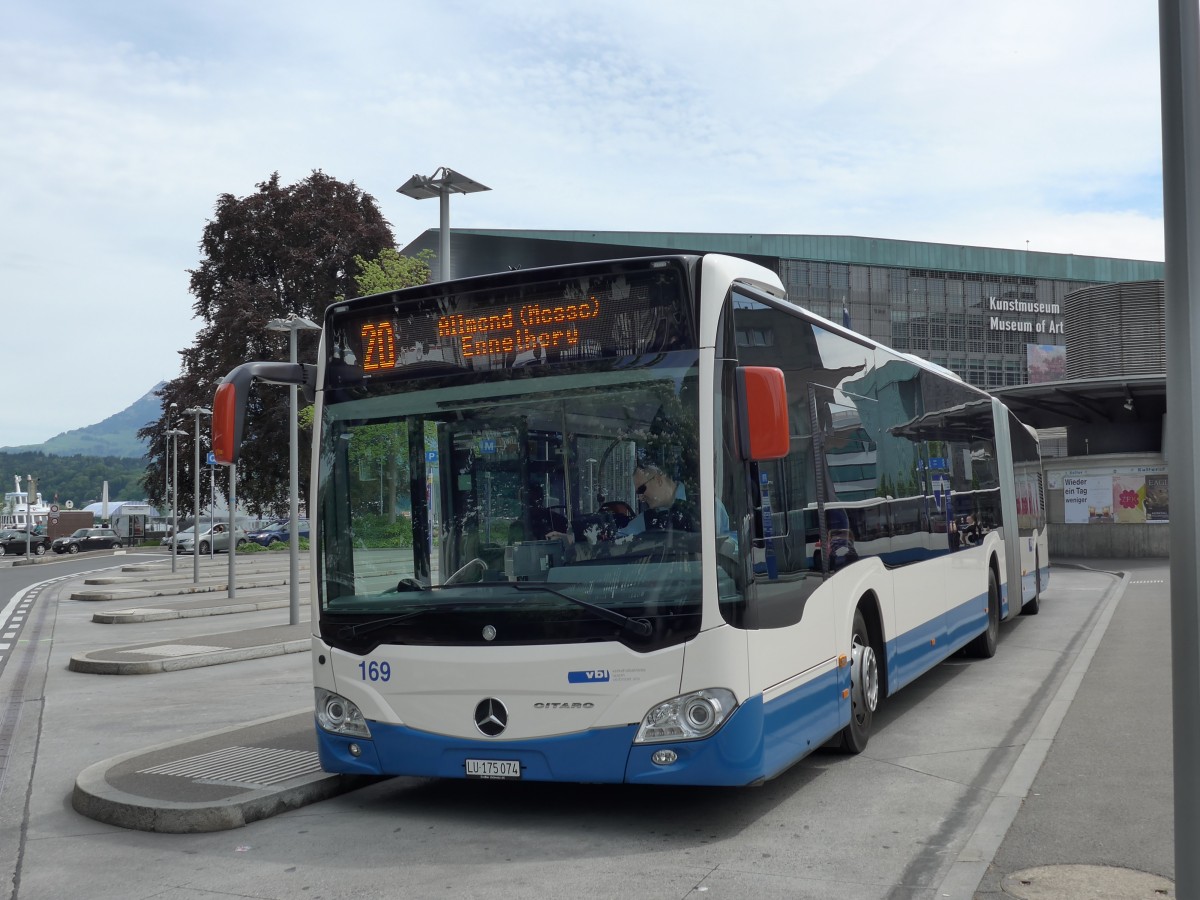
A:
{"points": [[281, 250], [389, 271]]}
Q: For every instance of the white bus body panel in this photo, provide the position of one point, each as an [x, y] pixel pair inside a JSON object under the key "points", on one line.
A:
{"points": [[436, 689]]}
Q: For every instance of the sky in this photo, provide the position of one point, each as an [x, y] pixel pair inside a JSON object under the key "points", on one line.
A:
{"points": [[1018, 125]]}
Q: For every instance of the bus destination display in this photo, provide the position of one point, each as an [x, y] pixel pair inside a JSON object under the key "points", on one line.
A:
{"points": [[624, 316]]}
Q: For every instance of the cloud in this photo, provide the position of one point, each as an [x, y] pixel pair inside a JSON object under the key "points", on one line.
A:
{"points": [[969, 124]]}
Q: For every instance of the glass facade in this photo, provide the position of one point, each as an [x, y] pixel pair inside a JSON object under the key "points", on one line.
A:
{"points": [[944, 317]]}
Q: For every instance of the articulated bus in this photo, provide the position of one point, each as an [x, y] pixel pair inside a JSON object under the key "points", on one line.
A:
{"points": [[639, 521]]}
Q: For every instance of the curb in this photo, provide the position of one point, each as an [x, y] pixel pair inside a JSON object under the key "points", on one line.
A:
{"points": [[147, 614], [93, 796], [126, 594], [81, 663]]}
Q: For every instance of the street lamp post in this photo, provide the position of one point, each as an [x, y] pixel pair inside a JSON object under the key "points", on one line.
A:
{"points": [[167, 451], [30, 491], [174, 434], [197, 412], [441, 184], [291, 325]]}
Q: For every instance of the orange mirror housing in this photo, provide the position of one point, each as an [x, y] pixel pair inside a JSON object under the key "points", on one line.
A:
{"points": [[225, 440], [764, 432]]}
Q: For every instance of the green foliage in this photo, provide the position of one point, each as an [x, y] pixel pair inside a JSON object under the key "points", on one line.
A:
{"points": [[390, 271], [377, 531], [281, 250], [79, 479], [277, 546], [273, 547]]}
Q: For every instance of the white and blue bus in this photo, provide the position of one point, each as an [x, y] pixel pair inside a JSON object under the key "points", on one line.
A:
{"points": [[821, 520]]}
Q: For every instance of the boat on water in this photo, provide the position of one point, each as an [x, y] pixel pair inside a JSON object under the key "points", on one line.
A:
{"points": [[19, 511]]}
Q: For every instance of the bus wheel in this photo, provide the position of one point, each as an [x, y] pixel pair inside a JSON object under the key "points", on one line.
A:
{"points": [[1033, 606], [864, 687], [984, 646]]}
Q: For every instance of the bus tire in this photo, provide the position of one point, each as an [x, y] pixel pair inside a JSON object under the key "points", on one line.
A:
{"points": [[984, 646], [864, 687], [1034, 605]]}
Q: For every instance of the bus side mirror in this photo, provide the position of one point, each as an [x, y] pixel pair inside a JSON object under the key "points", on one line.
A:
{"points": [[763, 413], [229, 403]]}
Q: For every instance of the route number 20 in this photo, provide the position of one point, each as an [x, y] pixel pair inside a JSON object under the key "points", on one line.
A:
{"points": [[379, 346]]}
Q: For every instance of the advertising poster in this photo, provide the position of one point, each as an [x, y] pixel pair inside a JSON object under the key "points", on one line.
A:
{"points": [[1046, 362], [1128, 495], [1088, 499], [1155, 501]]}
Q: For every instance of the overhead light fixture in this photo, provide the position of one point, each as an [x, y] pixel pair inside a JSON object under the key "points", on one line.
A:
{"points": [[442, 183]]}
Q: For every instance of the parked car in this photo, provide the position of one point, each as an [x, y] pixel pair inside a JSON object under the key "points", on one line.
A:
{"points": [[87, 539], [214, 538], [185, 528], [279, 531], [14, 541]]}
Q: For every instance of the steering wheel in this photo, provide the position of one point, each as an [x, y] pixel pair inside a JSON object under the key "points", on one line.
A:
{"points": [[475, 567]]}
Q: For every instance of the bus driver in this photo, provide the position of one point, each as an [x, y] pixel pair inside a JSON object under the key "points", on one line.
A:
{"points": [[664, 503]]}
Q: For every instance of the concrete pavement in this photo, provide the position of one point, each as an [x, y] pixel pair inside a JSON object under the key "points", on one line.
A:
{"points": [[1097, 817], [226, 778], [1085, 812]]}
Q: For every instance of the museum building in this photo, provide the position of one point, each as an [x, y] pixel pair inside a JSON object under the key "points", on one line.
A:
{"points": [[1074, 344]]}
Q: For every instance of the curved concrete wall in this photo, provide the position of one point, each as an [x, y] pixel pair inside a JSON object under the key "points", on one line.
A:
{"points": [[1116, 329]]}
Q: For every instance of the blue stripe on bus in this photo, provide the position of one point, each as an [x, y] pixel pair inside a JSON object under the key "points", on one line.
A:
{"points": [[750, 746], [598, 755], [919, 650]]}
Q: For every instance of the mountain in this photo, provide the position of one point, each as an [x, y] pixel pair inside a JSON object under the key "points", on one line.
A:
{"points": [[115, 436]]}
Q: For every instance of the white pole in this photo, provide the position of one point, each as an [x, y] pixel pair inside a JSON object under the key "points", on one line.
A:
{"points": [[232, 548], [196, 500], [444, 235], [174, 503], [293, 498]]}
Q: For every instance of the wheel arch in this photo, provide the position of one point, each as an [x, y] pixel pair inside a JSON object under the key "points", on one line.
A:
{"points": [[997, 570], [872, 612]]}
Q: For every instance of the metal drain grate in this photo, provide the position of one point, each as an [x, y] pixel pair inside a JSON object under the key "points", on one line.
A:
{"points": [[242, 766]]}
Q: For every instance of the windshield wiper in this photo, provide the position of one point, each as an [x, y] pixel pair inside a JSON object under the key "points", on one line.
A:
{"points": [[638, 626], [641, 627], [347, 632]]}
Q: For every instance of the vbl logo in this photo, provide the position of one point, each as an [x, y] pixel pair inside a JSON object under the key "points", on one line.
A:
{"points": [[588, 676]]}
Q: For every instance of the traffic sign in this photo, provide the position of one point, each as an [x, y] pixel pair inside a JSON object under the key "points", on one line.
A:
{"points": [[212, 458]]}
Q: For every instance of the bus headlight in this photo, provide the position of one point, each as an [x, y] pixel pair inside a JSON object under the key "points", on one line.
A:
{"points": [[687, 717], [338, 715]]}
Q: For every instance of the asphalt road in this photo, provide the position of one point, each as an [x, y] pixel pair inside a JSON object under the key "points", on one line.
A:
{"points": [[889, 823]]}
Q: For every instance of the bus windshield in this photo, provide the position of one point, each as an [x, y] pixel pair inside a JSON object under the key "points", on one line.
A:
{"points": [[514, 510]]}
